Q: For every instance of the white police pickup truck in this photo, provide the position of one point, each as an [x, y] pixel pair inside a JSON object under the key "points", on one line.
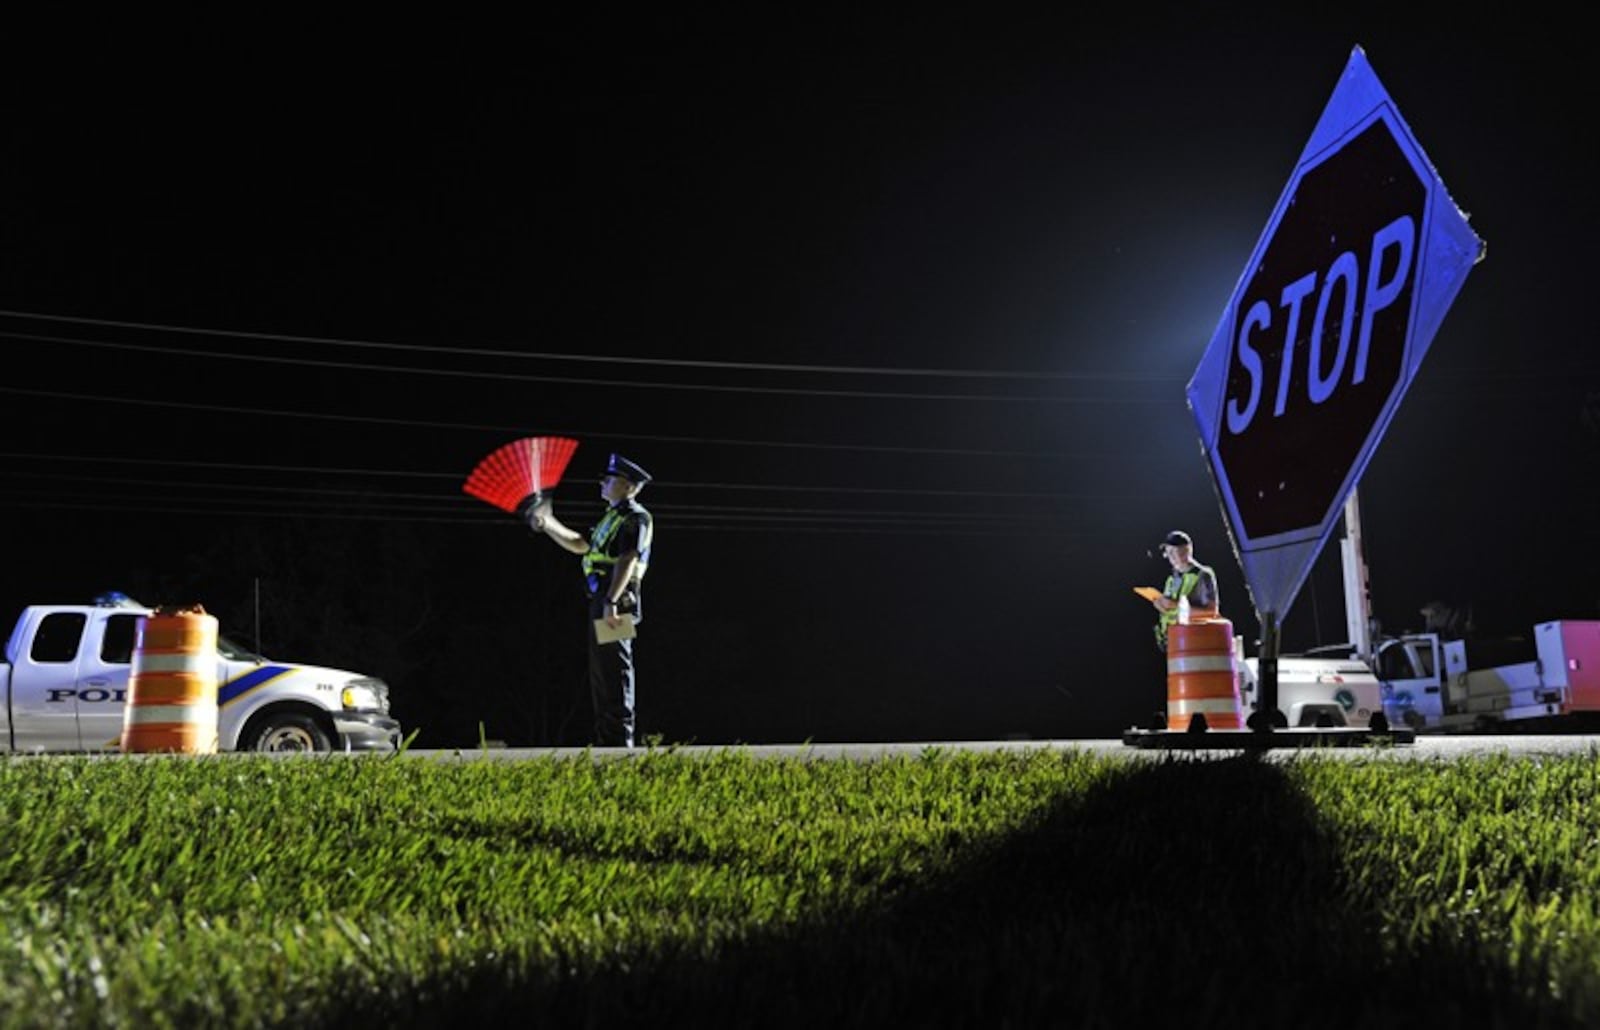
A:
{"points": [[65, 685]]}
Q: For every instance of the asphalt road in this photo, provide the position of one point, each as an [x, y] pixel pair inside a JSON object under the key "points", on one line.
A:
{"points": [[1289, 746]]}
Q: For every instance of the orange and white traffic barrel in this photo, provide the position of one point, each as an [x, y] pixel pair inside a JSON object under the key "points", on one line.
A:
{"points": [[172, 692], [1203, 675]]}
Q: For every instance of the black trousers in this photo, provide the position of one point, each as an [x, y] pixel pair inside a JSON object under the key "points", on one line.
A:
{"points": [[611, 685]]}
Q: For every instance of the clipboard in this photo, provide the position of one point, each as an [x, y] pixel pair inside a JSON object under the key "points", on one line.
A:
{"points": [[1148, 593], [624, 630]]}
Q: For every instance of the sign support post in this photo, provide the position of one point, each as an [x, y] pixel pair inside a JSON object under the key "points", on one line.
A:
{"points": [[1264, 719]]}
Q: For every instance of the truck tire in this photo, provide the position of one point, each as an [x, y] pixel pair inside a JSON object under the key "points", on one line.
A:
{"points": [[288, 731]]}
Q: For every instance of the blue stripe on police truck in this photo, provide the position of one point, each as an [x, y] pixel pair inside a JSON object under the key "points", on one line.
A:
{"points": [[233, 690]]}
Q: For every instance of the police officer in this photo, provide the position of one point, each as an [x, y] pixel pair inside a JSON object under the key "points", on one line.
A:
{"points": [[1188, 582], [615, 556]]}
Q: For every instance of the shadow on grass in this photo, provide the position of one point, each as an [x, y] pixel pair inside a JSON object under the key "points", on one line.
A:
{"points": [[1181, 893]]}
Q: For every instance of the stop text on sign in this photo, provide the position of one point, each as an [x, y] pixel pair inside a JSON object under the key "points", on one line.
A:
{"points": [[1343, 285]]}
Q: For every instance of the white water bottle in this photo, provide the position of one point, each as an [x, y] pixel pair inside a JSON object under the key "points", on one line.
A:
{"points": [[1183, 610]]}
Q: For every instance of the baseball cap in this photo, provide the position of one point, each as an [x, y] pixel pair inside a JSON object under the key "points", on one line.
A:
{"points": [[1177, 538]]}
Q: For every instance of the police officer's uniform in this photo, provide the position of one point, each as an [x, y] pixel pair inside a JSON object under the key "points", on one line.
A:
{"points": [[626, 526]]}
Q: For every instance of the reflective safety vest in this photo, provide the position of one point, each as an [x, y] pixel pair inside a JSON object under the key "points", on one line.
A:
{"points": [[1185, 584], [599, 559]]}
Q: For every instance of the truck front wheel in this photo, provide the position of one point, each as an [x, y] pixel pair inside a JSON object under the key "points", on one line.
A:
{"points": [[288, 731]]}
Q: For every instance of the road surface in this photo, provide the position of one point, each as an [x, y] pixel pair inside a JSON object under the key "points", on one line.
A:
{"points": [[1422, 749]]}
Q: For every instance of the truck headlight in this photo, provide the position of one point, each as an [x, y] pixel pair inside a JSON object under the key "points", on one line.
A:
{"points": [[366, 693]]}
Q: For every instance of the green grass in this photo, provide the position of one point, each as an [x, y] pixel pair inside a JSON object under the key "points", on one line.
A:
{"points": [[1018, 888]]}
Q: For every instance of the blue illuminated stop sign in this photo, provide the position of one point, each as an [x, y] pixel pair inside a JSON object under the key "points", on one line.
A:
{"points": [[1318, 337], [1341, 298]]}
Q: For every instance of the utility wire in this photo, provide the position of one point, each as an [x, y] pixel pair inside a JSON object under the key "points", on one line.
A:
{"points": [[610, 359], [64, 489], [657, 484], [725, 517], [742, 524], [1542, 371], [208, 505], [278, 497], [480, 428], [609, 384]]}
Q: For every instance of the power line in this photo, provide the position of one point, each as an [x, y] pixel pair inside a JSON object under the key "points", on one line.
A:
{"points": [[697, 523], [234, 466], [245, 500], [1542, 371], [71, 490], [609, 384], [1009, 495], [611, 359], [523, 430]]}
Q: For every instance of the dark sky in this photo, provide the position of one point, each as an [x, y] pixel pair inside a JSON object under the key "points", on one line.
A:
{"points": [[899, 314]]}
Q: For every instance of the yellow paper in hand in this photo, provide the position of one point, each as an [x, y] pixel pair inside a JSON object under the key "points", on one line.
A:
{"points": [[1148, 593], [605, 633]]}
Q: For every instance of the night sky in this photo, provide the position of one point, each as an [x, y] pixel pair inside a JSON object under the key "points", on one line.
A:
{"points": [[898, 313]]}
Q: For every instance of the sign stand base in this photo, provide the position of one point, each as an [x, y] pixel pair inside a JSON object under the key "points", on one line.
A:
{"points": [[1260, 740]]}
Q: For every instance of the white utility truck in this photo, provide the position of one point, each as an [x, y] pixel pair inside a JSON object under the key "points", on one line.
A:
{"points": [[1430, 684], [65, 687], [1552, 681]]}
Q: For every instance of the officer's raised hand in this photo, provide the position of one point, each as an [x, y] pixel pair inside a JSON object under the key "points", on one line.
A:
{"points": [[535, 510]]}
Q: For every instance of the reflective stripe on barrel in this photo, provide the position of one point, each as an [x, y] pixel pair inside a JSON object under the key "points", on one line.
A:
{"points": [[1202, 675], [172, 691]]}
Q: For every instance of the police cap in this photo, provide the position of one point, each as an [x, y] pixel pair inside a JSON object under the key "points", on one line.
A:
{"points": [[620, 466]]}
